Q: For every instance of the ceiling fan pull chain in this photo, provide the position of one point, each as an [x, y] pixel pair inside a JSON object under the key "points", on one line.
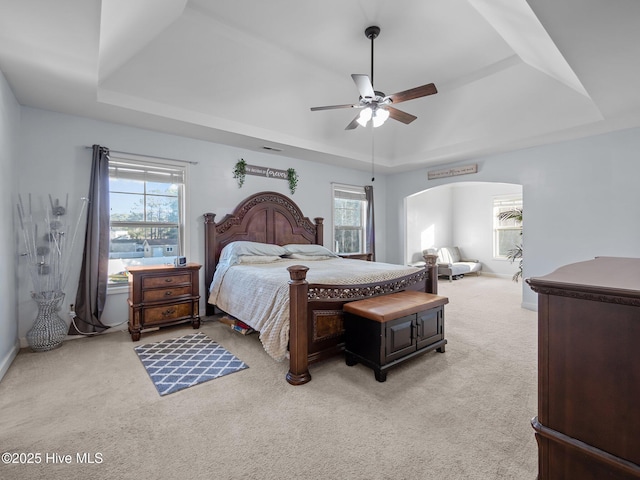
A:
{"points": [[373, 177]]}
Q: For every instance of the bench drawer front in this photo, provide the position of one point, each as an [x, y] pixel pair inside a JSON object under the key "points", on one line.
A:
{"points": [[400, 337], [430, 326]]}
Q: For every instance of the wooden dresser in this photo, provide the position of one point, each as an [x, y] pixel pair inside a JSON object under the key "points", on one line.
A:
{"points": [[588, 423], [161, 295]]}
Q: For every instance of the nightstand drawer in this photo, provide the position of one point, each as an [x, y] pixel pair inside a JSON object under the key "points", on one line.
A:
{"points": [[163, 281], [165, 293], [167, 313]]}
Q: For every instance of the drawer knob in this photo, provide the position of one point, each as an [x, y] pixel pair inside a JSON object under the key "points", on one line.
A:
{"points": [[168, 280], [168, 312], [168, 293]]}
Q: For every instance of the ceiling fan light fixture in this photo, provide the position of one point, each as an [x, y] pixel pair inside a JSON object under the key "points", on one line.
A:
{"points": [[380, 116], [365, 116], [372, 100]]}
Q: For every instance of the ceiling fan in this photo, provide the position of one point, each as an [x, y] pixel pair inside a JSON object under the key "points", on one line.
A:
{"points": [[375, 105]]}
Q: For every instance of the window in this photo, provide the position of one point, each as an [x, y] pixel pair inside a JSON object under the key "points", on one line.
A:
{"points": [[507, 225], [349, 219], [147, 214]]}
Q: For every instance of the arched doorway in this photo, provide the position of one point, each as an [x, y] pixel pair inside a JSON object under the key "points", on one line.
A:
{"points": [[459, 214]]}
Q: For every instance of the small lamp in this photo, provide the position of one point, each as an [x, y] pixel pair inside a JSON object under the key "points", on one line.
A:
{"points": [[365, 116], [380, 117]]}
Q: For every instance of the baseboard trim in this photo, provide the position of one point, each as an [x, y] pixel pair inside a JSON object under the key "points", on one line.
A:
{"points": [[8, 359], [529, 306]]}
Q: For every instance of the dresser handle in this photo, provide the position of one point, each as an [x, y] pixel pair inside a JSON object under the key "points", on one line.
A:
{"points": [[168, 293], [168, 312], [168, 280]]}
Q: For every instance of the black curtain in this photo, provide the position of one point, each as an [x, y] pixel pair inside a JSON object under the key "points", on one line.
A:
{"points": [[92, 285], [371, 227]]}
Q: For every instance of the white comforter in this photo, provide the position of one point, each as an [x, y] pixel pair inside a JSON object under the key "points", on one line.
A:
{"points": [[258, 294]]}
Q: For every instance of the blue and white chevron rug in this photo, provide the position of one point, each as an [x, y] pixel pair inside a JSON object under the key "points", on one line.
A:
{"points": [[180, 363]]}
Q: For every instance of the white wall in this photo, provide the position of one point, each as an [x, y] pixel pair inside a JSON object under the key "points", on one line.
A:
{"points": [[473, 223], [581, 196], [9, 129], [429, 223], [581, 199], [53, 159]]}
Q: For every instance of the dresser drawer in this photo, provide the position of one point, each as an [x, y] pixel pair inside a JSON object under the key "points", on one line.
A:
{"points": [[166, 313], [158, 281], [161, 294]]}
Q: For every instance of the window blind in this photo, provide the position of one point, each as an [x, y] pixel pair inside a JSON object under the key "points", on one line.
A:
{"points": [[349, 193], [150, 172]]}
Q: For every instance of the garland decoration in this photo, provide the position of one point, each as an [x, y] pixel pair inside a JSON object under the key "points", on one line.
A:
{"points": [[292, 177], [240, 171]]}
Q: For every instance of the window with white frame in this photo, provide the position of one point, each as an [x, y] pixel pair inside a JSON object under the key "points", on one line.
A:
{"points": [[349, 219], [146, 214], [507, 225]]}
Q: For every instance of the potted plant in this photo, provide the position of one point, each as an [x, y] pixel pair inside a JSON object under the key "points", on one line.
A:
{"points": [[516, 252], [292, 177], [240, 171]]}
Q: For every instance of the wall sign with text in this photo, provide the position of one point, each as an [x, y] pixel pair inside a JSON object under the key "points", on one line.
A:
{"points": [[452, 172], [266, 172]]}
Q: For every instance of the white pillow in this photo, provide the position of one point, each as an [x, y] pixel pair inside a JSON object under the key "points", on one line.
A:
{"points": [[232, 252], [258, 258], [309, 249], [300, 256]]}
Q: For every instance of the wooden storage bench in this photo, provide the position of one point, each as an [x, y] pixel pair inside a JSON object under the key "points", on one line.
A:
{"points": [[382, 332]]}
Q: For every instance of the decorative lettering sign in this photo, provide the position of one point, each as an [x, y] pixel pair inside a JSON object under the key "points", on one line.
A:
{"points": [[452, 172], [266, 172]]}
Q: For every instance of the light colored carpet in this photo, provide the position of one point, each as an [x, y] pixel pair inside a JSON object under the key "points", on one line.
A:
{"points": [[463, 414]]}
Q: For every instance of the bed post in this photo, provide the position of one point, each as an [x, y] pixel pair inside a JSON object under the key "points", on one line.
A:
{"points": [[210, 249], [298, 373], [432, 273], [319, 230]]}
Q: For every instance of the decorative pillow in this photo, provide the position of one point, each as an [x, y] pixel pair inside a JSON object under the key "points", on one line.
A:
{"points": [[309, 249], [232, 252], [258, 258], [300, 256]]}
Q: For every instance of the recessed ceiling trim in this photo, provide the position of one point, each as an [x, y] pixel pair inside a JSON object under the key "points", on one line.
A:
{"points": [[516, 23]]}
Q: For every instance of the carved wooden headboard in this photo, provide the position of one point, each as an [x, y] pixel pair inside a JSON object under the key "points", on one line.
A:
{"points": [[266, 217]]}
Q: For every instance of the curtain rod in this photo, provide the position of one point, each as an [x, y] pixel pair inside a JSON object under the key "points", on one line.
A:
{"points": [[149, 156]]}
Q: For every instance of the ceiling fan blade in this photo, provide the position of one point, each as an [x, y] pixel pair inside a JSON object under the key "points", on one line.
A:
{"points": [[423, 91], [332, 107], [401, 116], [353, 124], [364, 85]]}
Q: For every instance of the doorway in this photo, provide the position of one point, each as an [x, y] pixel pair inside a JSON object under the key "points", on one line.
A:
{"points": [[462, 215]]}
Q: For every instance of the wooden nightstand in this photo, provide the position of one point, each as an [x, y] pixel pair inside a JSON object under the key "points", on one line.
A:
{"points": [[161, 295]]}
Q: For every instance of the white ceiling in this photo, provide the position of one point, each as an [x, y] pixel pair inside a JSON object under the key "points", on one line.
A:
{"points": [[510, 73]]}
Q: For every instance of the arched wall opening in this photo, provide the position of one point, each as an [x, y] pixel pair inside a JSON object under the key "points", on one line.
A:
{"points": [[458, 214]]}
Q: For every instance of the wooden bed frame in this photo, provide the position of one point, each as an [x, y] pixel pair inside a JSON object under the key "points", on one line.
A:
{"points": [[316, 327]]}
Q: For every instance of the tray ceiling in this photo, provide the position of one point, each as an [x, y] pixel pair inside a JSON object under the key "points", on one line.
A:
{"points": [[510, 74]]}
